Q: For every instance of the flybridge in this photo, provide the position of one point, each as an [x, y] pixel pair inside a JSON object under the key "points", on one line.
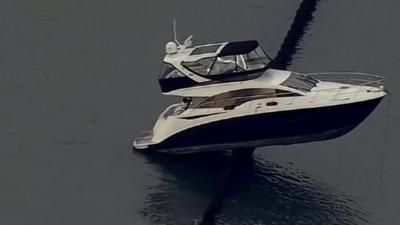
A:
{"points": [[187, 66], [187, 53]]}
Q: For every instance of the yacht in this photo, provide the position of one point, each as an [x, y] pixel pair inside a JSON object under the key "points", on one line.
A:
{"points": [[232, 98]]}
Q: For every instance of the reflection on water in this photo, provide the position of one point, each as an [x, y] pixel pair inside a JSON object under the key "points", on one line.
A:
{"points": [[186, 184], [301, 21], [221, 189]]}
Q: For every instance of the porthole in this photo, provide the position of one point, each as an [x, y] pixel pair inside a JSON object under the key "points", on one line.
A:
{"points": [[272, 103]]}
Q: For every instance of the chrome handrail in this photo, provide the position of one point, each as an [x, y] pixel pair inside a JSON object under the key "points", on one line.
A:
{"points": [[363, 79], [366, 79]]}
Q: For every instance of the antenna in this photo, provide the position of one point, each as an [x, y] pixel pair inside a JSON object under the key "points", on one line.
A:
{"points": [[188, 42], [175, 34]]}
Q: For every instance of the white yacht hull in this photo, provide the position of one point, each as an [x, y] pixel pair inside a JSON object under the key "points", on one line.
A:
{"points": [[267, 128]]}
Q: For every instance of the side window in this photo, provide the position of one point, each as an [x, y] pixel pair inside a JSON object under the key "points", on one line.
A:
{"points": [[224, 64], [203, 66], [255, 59], [238, 97]]}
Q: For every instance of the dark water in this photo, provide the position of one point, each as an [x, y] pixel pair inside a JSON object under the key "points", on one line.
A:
{"points": [[78, 81]]}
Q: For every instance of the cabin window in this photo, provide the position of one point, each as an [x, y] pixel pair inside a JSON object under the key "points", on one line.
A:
{"points": [[238, 97], [169, 71], [300, 82]]}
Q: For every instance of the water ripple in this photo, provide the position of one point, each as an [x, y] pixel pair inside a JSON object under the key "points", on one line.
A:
{"points": [[257, 192]]}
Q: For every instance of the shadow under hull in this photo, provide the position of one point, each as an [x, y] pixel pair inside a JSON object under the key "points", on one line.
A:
{"points": [[277, 128]]}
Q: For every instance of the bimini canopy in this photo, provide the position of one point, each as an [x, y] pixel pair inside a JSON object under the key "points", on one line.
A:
{"points": [[238, 48]]}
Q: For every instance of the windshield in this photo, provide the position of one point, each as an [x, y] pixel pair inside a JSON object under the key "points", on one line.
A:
{"points": [[300, 82], [253, 61]]}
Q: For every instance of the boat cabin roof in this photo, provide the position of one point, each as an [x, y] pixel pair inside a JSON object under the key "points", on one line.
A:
{"points": [[211, 50]]}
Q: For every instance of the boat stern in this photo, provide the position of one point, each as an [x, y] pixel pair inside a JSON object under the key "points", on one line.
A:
{"points": [[143, 141]]}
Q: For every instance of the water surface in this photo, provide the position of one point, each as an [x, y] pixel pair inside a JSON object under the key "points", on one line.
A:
{"points": [[78, 81]]}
